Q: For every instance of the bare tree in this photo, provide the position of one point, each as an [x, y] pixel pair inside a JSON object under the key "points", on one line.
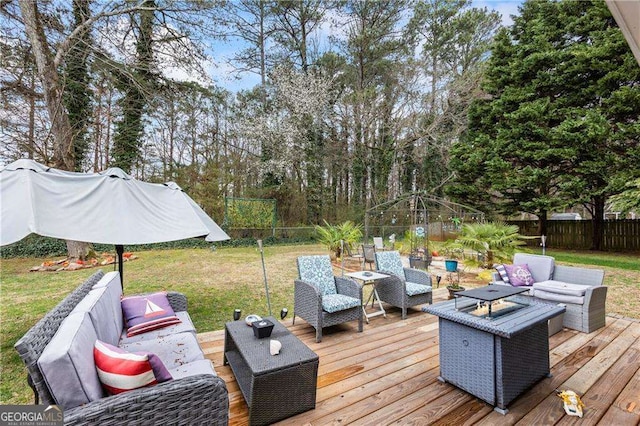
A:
{"points": [[53, 89], [251, 21]]}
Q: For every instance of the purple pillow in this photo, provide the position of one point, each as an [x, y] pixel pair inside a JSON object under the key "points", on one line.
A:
{"points": [[147, 312], [519, 275]]}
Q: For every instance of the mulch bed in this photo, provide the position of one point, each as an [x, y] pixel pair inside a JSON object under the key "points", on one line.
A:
{"points": [[67, 264]]}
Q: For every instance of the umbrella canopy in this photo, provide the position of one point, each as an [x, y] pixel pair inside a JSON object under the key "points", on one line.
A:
{"points": [[109, 207]]}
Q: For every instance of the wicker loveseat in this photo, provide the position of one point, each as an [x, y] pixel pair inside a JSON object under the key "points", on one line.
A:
{"points": [[195, 395], [581, 290]]}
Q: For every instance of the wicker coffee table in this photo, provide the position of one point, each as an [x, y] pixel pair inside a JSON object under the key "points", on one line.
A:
{"points": [[274, 387], [494, 358]]}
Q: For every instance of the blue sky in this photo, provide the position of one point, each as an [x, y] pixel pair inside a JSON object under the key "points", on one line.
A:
{"points": [[504, 7], [222, 73]]}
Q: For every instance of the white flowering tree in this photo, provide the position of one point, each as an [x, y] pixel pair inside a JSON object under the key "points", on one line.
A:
{"points": [[289, 134]]}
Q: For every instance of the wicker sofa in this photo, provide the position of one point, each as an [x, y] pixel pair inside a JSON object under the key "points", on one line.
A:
{"points": [[581, 290], [195, 395]]}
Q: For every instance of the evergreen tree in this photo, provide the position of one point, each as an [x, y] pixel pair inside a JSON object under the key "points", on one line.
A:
{"points": [[559, 123]]}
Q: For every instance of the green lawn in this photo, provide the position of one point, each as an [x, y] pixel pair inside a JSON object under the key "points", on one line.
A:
{"points": [[215, 283]]}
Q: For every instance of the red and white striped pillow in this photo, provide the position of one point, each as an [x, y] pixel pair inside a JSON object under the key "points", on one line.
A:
{"points": [[120, 371]]}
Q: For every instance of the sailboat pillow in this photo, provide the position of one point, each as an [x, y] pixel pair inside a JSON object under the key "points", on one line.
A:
{"points": [[147, 312]]}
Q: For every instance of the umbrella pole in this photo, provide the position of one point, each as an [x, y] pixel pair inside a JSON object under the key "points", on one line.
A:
{"points": [[120, 252], [264, 272]]}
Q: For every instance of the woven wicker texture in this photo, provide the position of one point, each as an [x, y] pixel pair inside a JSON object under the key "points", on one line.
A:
{"points": [[195, 400], [393, 290], [466, 359], [588, 316], [274, 387], [505, 326], [521, 362], [256, 351], [178, 301], [496, 364], [307, 301]]}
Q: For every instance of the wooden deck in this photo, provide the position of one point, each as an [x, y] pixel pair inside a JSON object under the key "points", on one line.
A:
{"points": [[388, 374]]}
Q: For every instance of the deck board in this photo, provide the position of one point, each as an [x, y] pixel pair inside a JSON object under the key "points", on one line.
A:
{"points": [[388, 375]]}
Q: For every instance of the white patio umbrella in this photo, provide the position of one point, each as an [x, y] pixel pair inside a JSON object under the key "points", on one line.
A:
{"points": [[109, 207]]}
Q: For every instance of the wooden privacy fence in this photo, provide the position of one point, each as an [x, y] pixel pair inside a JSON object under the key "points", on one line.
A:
{"points": [[619, 234]]}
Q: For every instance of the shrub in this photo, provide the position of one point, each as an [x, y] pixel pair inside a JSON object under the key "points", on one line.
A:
{"points": [[38, 246], [494, 241], [331, 235]]}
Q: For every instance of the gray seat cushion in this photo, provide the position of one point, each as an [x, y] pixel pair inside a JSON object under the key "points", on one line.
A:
{"points": [[559, 298], [67, 362], [107, 279], [561, 287], [202, 366], [97, 303], [174, 350], [185, 326]]}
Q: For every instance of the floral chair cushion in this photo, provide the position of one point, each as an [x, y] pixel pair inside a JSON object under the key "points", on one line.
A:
{"points": [[338, 302], [414, 288], [390, 261], [317, 270]]}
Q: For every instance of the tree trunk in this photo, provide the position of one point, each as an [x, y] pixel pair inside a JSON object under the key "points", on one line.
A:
{"points": [[32, 116], [598, 223], [60, 127], [542, 222], [78, 249]]}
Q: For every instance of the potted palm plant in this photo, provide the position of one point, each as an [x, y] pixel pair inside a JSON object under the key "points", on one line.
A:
{"points": [[331, 235], [493, 241]]}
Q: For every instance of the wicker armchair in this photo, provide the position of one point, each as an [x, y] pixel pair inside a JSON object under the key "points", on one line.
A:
{"points": [[322, 299], [405, 287]]}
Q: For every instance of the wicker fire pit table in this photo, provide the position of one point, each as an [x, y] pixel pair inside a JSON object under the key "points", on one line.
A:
{"points": [[494, 343], [274, 387]]}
